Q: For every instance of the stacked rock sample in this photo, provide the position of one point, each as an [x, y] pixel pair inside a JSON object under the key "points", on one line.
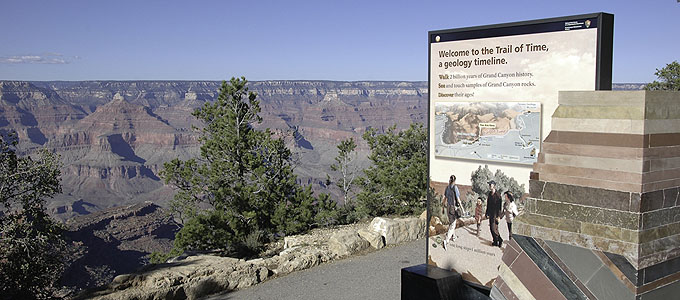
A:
{"points": [[603, 217]]}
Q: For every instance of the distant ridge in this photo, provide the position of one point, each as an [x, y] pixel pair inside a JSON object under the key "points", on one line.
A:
{"points": [[114, 136], [628, 86]]}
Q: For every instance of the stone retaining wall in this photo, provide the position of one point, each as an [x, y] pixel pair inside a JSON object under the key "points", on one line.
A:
{"points": [[194, 277]]}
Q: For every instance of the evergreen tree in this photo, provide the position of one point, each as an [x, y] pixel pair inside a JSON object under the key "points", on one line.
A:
{"points": [[326, 212], [480, 184], [669, 78], [244, 176], [396, 183], [32, 248]]}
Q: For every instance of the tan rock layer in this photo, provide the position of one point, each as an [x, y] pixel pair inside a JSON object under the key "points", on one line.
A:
{"points": [[514, 284], [615, 139], [591, 182], [609, 164], [595, 150], [524, 277], [589, 173], [504, 288], [625, 126], [623, 181], [650, 154]]}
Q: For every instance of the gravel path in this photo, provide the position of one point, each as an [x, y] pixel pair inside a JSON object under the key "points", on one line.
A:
{"points": [[376, 275]]}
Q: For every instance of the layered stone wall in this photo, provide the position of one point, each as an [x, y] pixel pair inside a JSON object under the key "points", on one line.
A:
{"points": [[603, 217]]}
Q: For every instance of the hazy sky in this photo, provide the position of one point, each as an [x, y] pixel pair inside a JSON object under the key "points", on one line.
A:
{"points": [[331, 40]]}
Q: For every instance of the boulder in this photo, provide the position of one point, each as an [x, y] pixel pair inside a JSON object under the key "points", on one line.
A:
{"points": [[435, 220], [437, 227], [396, 231], [346, 242], [121, 279], [304, 258], [375, 239]]}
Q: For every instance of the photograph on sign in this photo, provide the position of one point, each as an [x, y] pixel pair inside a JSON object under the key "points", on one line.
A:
{"points": [[494, 131], [493, 90]]}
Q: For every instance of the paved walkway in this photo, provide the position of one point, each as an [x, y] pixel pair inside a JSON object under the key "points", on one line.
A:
{"points": [[376, 275]]}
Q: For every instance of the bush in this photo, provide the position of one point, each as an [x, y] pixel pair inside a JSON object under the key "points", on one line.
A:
{"points": [[158, 257]]}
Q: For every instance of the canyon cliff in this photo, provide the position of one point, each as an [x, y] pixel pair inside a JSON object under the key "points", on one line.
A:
{"points": [[114, 136]]}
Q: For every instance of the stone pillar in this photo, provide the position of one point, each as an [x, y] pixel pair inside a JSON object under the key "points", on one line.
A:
{"points": [[603, 217]]}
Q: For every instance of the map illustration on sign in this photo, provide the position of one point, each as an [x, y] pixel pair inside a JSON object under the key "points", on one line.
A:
{"points": [[494, 131]]}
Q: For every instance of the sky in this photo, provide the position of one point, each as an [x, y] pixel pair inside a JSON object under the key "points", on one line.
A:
{"points": [[290, 40]]}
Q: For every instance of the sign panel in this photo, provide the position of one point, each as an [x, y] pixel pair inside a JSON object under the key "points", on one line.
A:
{"points": [[493, 90]]}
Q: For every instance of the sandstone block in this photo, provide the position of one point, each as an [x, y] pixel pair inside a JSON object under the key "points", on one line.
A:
{"points": [[436, 227], [435, 220], [346, 242], [375, 239], [303, 259], [397, 231]]}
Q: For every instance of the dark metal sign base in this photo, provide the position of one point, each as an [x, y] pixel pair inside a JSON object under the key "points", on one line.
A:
{"points": [[425, 282]]}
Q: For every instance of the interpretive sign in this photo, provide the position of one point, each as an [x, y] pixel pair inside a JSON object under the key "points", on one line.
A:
{"points": [[493, 90], [495, 131]]}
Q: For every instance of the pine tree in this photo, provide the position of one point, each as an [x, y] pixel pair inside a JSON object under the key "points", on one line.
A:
{"points": [[669, 78], [480, 184], [245, 177]]}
